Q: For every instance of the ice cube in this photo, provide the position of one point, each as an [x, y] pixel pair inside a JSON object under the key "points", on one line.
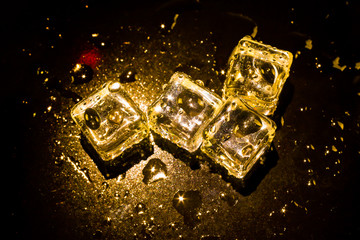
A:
{"points": [[257, 73], [237, 137], [182, 111], [110, 120]]}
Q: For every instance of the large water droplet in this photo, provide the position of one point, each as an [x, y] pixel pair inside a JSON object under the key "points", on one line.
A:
{"points": [[190, 102], [92, 118], [154, 170], [81, 73], [187, 204]]}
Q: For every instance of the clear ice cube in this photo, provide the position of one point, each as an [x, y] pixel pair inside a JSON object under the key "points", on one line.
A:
{"points": [[237, 137], [257, 73], [110, 120], [182, 111]]}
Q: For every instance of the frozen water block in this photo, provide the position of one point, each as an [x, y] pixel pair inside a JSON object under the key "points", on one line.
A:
{"points": [[110, 120], [237, 137], [182, 111], [257, 73]]}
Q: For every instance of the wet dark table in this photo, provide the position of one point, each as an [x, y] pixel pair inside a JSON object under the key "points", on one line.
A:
{"points": [[55, 186]]}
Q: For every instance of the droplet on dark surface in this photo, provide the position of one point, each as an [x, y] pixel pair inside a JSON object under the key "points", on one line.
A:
{"points": [[154, 170], [92, 118], [129, 75], [190, 102], [229, 199], [187, 203], [81, 73], [140, 208]]}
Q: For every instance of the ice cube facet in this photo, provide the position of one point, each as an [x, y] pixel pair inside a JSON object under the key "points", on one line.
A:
{"points": [[110, 120], [182, 111], [237, 137], [257, 73]]}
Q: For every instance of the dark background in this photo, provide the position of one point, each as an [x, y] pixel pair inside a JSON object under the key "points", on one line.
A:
{"points": [[56, 188]]}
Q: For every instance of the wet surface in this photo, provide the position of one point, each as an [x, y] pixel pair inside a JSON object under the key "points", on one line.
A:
{"points": [[56, 187]]}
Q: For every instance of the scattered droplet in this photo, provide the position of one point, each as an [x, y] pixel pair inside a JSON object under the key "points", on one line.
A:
{"points": [[341, 125], [129, 75], [229, 199], [140, 208], [154, 170], [92, 118], [199, 82], [81, 73]]}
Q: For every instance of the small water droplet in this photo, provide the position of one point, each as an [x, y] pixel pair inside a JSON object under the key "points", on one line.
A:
{"points": [[154, 170], [129, 75], [229, 199], [114, 86], [199, 82], [140, 208], [81, 73], [115, 117], [246, 151]]}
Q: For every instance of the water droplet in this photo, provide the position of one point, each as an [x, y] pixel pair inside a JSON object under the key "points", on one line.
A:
{"points": [[140, 208], [190, 102], [115, 117], [129, 75], [199, 82], [188, 204], [229, 199], [81, 73], [114, 87], [246, 151], [92, 118], [154, 170]]}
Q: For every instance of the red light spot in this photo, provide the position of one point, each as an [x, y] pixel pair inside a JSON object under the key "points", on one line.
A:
{"points": [[90, 57]]}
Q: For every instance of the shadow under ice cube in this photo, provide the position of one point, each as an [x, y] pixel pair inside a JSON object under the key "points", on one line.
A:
{"points": [[257, 73], [237, 137], [183, 110], [110, 120]]}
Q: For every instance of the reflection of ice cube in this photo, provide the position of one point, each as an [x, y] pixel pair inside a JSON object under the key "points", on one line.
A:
{"points": [[110, 120], [257, 73], [182, 112], [237, 137]]}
